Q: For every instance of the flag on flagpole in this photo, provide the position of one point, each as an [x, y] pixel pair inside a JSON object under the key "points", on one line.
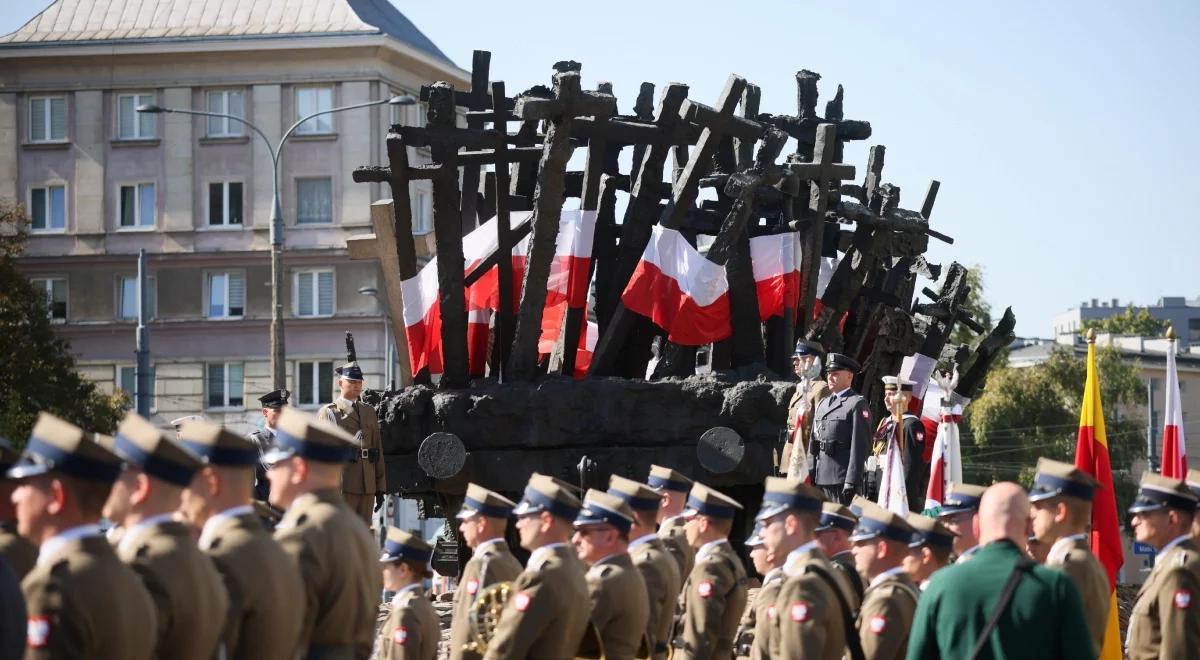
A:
{"points": [[1091, 455], [1174, 450]]}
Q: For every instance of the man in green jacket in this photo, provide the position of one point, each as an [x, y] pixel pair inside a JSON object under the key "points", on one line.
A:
{"points": [[1044, 619]]}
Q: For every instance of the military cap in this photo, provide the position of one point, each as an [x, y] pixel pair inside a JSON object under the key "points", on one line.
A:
{"points": [[755, 539], [8, 455], [839, 362], [1056, 478], [639, 496], [704, 501], [834, 515], [877, 522], [1159, 492], [601, 508], [1193, 481], [664, 478], [400, 544], [805, 347], [142, 444], [891, 383], [58, 446], [960, 498], [929, 531], [544, 493], [856, 506], [275, 400], [180, 421], [785, 494], [480, 501], [300, 434], [349, 371], [217, 445]]}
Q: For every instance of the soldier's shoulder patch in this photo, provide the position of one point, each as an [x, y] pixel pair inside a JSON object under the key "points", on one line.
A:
{"points": [[472, 586], [878, 625], [37, 632], [705, 589], [1182, 599], [799, 611], [866, 414], [772, 613], [521, 601], [400, 635]]}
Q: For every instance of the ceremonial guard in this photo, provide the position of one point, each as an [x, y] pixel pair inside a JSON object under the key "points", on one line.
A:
{"points": [[959, 513], [264, 438], [14, 548], [811, 617], [759, 614], [841, 435], [929, 550], [363, 479], [328, 541], [620, 603], [547, 614], [1165, 622], [650, 555], [673, 486], [833, 534], [910, 442], [1061, 499], [714, 594], [806, 363], [188, 592], [482, 522], [266, 594], [81, 600], [412, 629], [880, 544]]}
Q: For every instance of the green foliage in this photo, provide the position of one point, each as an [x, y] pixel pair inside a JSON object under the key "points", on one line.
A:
{"points": [[976, 306], [1140, 324], [1025, 413], [37, 371]]}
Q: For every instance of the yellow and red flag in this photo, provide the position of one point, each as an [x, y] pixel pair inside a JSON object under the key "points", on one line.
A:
{"points": [[1091, 455]]}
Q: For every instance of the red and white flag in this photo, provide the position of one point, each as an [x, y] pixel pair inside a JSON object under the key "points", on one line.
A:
{"points": [[776, 263], [1174, 450], [684, 293]]}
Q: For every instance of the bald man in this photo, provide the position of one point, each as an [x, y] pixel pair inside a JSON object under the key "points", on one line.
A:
{"points": [[1043, 618]]}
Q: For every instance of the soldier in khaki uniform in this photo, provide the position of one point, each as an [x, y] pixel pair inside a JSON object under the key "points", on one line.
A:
{"points": [[959, 513], [412, 630], [929, 550], [14, 548], [658, 567], [811, 616], [1165, 622], [483, 520], [1193, 484], [673, 486], [1061, 500], [714, 594], [806, 363], [332, 546], [620, 602], [880, 545], [188, 592], [547, 614], [833, 535], [263, 583], [363, 480], [759, 614], [82, 602]]}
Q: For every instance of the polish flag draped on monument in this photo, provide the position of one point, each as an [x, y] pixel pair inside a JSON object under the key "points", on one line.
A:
{"points": [[1174, 450], [776, 264]]}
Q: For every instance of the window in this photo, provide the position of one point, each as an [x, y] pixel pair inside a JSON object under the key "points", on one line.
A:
{"points": [[226, 295], [131, 124], [314, 293], [314, 383], [224, 386], [1194, 331], [127, 302], [56, 296], [225, 204], [48, 119], [126, 382], [422, 213], [310, 100], [136, 205], [48, 208], [226, 102], [314, 201]]}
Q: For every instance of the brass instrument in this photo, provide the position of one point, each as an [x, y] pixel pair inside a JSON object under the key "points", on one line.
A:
{"points": [[485, 615]]}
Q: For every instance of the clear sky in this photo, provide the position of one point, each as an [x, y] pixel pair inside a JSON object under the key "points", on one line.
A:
{"points": [[1060, 131]]}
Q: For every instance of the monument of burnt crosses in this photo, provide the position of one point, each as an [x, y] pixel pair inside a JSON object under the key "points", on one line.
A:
{"points": [[534, 355]]}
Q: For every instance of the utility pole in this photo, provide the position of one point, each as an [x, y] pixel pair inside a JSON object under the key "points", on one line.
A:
{"points": [[142, 383]]}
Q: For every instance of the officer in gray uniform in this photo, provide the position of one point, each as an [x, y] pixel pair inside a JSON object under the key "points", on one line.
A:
{"points": [[272, 403], [841, 434]]}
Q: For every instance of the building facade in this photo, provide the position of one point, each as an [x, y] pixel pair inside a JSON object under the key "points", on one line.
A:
{"points": [[101, 181], [1180, 312]]}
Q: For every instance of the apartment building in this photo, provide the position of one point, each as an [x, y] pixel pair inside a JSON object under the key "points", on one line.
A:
{"points": [[101, 181]]}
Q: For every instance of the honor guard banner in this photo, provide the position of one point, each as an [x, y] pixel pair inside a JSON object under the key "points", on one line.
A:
{"points": [[1174, 449]]}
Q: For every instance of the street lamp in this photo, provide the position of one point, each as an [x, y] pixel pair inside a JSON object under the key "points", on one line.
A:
{"points": [[387, 335], [278, 371]]}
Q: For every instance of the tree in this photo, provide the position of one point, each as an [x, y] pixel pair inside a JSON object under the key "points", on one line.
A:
{"points": [[976, 306], [1028, 412], [37, 370], [1140, 324]]}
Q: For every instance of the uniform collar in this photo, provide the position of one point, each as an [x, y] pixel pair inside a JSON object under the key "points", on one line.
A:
{"points": [[400, 594], [887, 574], [1174, 542], [610, 559], [540, 555], [772, 575], [969, 551], [55, 543], [132, 533], [499, 540], [217, 519], [642, 540], [842, 392], [709, 548], [344, 403], [795, 556], [1061, 546]]}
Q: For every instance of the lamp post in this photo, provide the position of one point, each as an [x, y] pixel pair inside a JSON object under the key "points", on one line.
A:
{"points": [[278, 370], [388, 372]]}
